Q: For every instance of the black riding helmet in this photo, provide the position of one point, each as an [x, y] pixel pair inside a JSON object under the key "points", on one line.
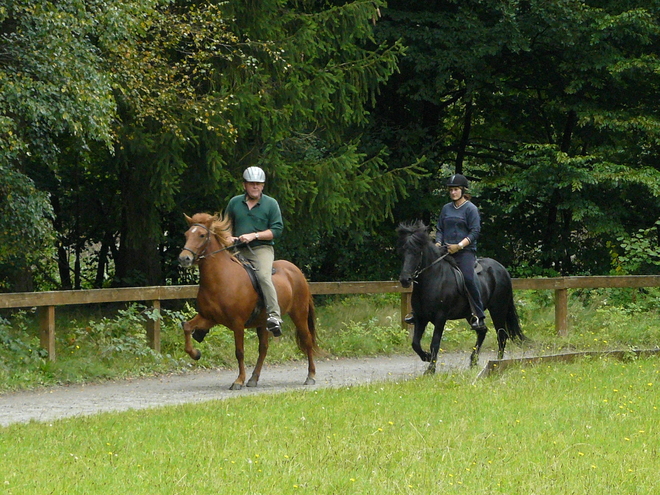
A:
{"points": [[458, 180]]}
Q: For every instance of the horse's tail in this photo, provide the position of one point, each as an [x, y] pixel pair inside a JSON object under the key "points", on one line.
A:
{"points": [[512, 323]]}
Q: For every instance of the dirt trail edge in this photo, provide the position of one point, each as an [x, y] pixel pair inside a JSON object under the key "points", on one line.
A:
{"points": [[53, 403]]}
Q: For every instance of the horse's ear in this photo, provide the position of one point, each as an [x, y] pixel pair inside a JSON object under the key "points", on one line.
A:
{"points": [[188, 219]]}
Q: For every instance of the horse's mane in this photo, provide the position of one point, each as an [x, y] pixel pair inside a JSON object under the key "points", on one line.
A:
{"points": [[219, 225], [413, 236], [221, 229]]}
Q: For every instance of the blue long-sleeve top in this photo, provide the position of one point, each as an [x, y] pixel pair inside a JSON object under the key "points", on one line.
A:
{"points": [[455, 224]]}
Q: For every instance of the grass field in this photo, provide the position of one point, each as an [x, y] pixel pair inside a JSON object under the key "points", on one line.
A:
{"points": [[586, 428]]}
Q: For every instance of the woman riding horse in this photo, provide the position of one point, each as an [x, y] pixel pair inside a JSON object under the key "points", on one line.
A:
{"points": [[459, 227], [438, 294]]}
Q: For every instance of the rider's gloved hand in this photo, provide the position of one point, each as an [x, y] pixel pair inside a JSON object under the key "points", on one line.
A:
{"points": [[453, 248]]}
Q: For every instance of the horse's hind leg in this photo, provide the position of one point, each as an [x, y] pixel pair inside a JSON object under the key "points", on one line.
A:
{"points": [[311, 366], [474, 357], [263, 350], [502, 337], [499, 323], [305, 343]]}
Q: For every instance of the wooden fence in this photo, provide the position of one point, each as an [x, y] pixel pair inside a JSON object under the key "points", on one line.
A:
{"points": [[46, 302]]}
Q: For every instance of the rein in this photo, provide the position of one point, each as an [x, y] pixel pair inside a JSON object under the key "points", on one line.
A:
{"points": [[419, 272]]}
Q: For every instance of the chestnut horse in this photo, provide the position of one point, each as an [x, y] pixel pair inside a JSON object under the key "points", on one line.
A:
{"points": [[227, 297]]}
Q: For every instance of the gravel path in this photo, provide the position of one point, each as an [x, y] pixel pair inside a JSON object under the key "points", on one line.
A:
{"points": [[198, 386]]}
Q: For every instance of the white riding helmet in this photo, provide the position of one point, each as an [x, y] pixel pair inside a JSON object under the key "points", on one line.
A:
{"points": [[254, 174]]}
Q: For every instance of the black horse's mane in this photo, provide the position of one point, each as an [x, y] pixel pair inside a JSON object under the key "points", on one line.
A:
{"points": [[413, 235]]}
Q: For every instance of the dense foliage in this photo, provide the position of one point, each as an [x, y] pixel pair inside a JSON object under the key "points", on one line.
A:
{"points": [[118, 117], [548, 106]]}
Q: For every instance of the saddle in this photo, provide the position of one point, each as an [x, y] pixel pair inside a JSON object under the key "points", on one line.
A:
{"points": [[200, 335]]}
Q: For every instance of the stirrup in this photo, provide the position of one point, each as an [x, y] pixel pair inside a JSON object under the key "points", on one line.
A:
{"points": [[409, 318]]}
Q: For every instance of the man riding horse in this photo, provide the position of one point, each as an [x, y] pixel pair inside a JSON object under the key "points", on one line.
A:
{"points": [[257, 221]]}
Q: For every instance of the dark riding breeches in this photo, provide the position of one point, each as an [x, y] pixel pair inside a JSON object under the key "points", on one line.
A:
{"points": [[465, 260]]}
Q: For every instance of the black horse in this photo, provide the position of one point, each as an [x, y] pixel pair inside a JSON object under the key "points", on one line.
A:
{"points": [[438, 293]]}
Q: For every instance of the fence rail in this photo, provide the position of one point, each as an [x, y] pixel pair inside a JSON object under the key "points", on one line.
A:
{"points": [[46, 302]]}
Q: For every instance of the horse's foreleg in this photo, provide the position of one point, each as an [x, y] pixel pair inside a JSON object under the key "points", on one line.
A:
{"points": [[474, 357], [239, 341], [197, 323], [418, 333], [435, 346], [263, 350]]}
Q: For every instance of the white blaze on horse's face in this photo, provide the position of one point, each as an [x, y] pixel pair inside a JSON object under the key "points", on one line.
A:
{"points": [[196, 239]]}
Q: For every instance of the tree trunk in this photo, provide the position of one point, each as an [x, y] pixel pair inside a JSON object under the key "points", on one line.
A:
{"points": [[556, 235], [103, 261], [77, 268], [138, 261], [21, 279], [63, 267], [465, 137]]}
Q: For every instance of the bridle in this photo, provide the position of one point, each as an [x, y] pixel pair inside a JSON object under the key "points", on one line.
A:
{"points": [[201, 256]]}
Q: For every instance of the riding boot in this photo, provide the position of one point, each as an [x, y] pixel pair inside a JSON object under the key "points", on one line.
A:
{"points": [[476, 322], [274, 326], [465, 262], [409, 318]]}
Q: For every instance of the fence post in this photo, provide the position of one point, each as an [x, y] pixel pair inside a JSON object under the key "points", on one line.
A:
{"points": [[153, 328], [405, 307], [46, 316], [561, 312]]}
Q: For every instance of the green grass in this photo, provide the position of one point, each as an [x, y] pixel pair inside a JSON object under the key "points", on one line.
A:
{"points": [[589, 428], [94, 343]]}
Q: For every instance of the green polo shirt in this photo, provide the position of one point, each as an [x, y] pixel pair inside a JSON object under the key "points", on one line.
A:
{"points": [[264, 215]]}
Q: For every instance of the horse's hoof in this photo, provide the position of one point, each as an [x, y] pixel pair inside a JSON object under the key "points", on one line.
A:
{"points": [[236, 386], [426, 358], [310, 381], [252, 382], [430, 371], [196, 354]]}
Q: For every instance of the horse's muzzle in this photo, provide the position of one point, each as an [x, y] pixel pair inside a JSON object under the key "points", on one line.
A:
{"points": [[185, 260], [405, 281]]}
